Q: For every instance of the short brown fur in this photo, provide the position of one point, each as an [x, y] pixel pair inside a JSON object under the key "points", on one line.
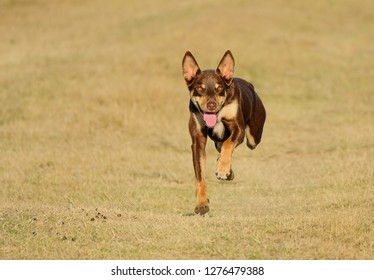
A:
{"points": [[224, 108]]}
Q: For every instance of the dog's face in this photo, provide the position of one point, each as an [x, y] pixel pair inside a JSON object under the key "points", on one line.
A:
{"points": [[208, 92], [208, 89]]}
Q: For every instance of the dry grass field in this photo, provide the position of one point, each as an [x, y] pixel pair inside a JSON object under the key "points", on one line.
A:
{"points": [[95, 159]]}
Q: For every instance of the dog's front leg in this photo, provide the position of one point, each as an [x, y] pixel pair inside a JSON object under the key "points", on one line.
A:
{"points": [[224, 171], [198, 156]]}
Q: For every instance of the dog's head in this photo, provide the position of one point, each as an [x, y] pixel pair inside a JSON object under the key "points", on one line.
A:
{"points": [[209, 89]]}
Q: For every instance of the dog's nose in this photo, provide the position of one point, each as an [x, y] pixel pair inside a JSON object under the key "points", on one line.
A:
{"points": [[211, 105]]}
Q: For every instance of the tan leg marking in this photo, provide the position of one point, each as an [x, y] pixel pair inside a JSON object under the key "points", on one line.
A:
{"points": [[251, 143], [224, 171], [202, 202]]}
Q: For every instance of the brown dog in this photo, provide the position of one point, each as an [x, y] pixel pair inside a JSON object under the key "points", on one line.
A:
{"points": [[224, 108]]}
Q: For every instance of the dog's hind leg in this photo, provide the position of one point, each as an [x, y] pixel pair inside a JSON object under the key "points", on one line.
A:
{"points": [[251, 143], [218, 146], [255, 125]]}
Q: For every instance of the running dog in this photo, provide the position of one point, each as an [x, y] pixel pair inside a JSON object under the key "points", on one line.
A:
{"points": [[226, 109]]}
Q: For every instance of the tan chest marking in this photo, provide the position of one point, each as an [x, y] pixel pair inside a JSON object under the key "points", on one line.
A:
{"points": [[229, 111], [219, 130]]}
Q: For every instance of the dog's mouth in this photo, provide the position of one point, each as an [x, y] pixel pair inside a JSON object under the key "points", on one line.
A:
{"points": [[210, 119]]}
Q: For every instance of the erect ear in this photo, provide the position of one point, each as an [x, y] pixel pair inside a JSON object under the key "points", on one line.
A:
{"points": [[190, 68], [226, 67]]}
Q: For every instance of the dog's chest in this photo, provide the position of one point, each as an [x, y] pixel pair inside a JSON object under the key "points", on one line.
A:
{"points": [[219, 130], [229, 111]]}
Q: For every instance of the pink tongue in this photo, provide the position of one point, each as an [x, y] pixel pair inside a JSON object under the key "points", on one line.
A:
{"points": [[210, 119]]}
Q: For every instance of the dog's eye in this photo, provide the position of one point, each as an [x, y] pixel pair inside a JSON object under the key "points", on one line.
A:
{"points": [[218, 88], [198, 92], [201, 89]]}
